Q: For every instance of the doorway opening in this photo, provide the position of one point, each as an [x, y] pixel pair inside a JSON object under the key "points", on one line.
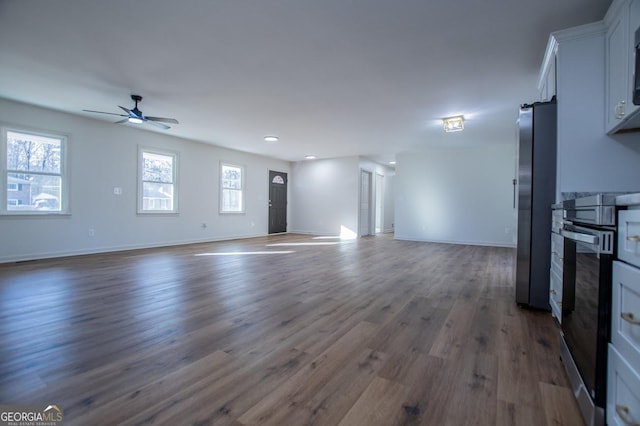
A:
{"points": [[366, 210], [379, 210]]}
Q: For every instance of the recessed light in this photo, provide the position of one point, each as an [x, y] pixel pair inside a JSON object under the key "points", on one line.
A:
{"points": [[271, 138], [392, 163], [310, 157], [453, 124]]}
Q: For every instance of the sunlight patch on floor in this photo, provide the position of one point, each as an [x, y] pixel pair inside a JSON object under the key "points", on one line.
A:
{"points": [[245, 253], [303, 244]]}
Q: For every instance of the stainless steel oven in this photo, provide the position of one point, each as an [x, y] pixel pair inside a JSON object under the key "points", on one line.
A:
{"points": [[589, 234]]}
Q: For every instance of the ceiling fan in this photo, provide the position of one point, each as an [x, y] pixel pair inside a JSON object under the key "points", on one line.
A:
{"points": [[136, 116]]}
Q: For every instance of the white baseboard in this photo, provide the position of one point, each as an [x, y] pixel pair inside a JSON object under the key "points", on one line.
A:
{"points": [[466, 243], [112, 249]]}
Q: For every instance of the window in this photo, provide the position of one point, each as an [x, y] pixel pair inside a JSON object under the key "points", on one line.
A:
{"points": [[157, 190], [231, 188], [33, 173]]}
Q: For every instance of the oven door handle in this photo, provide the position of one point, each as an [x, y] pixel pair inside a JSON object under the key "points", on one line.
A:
{"points": [[577, 236]]}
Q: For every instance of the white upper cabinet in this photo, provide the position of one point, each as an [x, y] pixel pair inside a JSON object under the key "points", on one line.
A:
{"points": [[547, 78], [617, 71], [622, 20]]}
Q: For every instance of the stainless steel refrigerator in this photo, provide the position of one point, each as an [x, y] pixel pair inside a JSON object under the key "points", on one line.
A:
{"points": [[537, 141]]}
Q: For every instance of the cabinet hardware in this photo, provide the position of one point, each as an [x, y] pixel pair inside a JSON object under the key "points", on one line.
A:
{"points": [[630, 318], [619, 109], [634, 238], [623, 413], [553, 291]]}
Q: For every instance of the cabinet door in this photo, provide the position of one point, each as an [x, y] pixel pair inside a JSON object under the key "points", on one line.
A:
{"points": [[629, 236], [623, 391], [617, 68], [555, 294], [548, 90], [633, 26], [625, 312]]}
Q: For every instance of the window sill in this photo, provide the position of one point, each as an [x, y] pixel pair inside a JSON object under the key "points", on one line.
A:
{"points": [[35, 214], [157, 213]]}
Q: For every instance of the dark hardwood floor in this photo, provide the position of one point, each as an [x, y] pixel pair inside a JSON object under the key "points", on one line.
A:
{"points": [[281, 330]]}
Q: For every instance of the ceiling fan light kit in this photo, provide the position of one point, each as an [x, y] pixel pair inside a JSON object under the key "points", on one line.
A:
{"points": [[136, 116]]}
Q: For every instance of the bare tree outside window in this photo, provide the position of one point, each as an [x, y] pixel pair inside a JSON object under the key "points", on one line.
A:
{"points": [[232, 189], [34, 172], [158, 175]]}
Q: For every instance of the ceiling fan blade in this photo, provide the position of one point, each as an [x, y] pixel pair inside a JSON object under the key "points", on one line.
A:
{"points": [[155, 123], [162, 119], [102, 112], [128, 111]]}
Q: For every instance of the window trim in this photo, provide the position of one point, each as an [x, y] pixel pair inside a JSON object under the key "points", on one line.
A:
{"points": [[65, 191], [176, 160], [243, 178]]}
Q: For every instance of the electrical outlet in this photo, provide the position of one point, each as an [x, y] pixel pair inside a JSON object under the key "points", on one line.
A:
{"points": [[117, 190]]}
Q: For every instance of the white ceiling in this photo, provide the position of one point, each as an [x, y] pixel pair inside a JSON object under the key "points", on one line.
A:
{"points": [[329, 77]]}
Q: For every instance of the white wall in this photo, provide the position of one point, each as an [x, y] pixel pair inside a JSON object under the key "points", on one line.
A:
{"points": [[456, 195], [588, 159], [103, 156], [326, 194]]}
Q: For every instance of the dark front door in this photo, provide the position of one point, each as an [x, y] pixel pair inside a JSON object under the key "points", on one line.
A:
{"points": [[277, 202]]}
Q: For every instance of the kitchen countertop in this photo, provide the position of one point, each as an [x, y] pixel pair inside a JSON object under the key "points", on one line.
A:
{"points": [[628, 199]]}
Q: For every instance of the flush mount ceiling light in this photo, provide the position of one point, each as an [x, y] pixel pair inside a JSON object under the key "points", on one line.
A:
{"points": [[271, 138], [453, 124], [310, 157], [392, 163]]}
